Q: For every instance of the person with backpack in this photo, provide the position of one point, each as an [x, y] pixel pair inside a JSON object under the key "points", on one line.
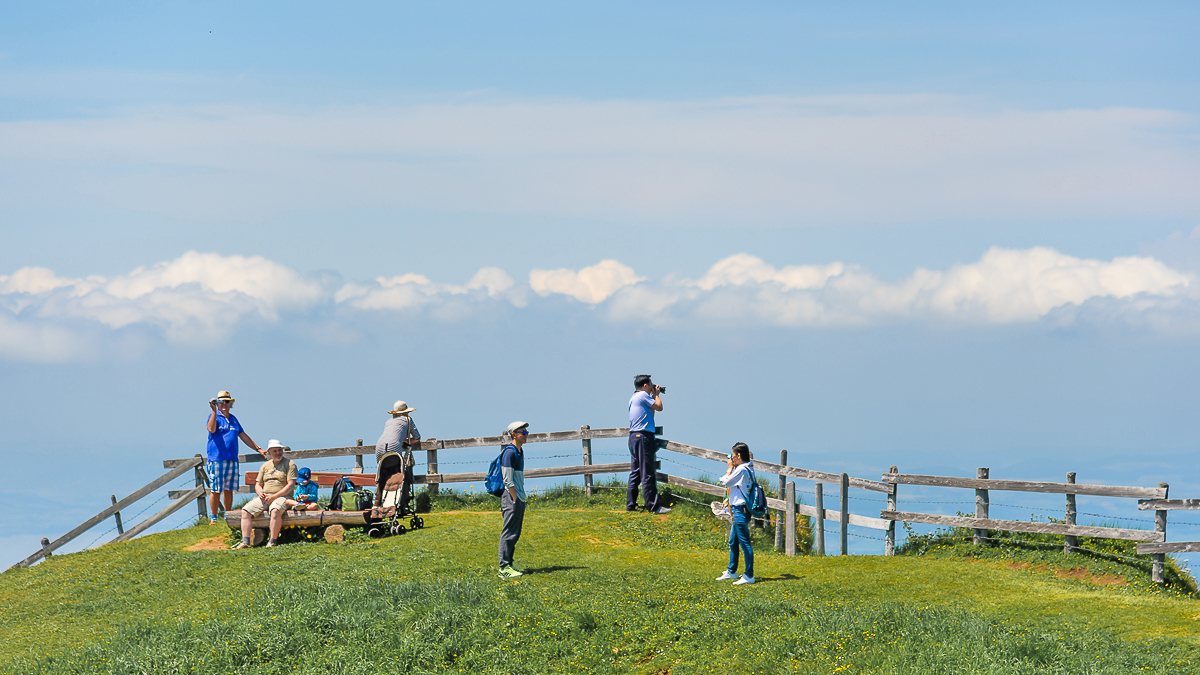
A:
{"points": [[512, 498], [739, 479]]}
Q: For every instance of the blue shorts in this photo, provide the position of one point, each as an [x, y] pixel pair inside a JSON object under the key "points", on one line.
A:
{"points": [[222, 475]]}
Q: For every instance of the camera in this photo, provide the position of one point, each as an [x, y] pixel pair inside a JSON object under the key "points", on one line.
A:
{"points": [[212, 401], [661, 389]]}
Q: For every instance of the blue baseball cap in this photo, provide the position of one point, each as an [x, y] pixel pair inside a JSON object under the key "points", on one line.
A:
{"points": [[304, 475]]}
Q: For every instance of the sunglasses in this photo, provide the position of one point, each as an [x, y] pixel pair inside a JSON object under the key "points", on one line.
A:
{"points": [[523, 432]]}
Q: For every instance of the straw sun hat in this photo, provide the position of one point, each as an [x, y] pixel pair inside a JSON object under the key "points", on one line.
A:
{"points": [[401, 408]]}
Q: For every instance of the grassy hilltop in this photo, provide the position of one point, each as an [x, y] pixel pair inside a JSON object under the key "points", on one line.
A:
{"points": [[607, 592]]}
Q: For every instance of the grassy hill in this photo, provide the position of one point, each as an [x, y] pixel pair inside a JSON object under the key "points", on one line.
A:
{"points": [[607, 592]]}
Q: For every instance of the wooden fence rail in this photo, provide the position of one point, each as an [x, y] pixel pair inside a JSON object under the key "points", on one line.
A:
{"points": [[1151, 499], [183, 467], [787, 509]]}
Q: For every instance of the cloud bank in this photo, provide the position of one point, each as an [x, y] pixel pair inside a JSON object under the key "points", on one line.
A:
{"points": [[201, 298]]}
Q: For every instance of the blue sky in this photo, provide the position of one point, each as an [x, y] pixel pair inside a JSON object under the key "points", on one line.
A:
{"points": [[940, 237]]}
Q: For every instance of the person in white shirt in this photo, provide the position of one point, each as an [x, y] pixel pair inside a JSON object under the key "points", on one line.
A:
{"points": [[738, 479]]}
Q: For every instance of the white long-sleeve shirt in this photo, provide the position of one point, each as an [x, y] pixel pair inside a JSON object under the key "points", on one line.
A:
{"points": [[738, 482]]}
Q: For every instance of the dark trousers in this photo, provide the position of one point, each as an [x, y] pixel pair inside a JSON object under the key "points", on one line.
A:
{"points": [[510, 532], [641, 471]]}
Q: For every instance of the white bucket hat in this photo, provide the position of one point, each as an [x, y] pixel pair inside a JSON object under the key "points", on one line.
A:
{"points": [[401, 408], [274, 443]]}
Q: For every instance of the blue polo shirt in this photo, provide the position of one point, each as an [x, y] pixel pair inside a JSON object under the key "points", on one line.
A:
{"points": [[223, 445], [641, 415]]}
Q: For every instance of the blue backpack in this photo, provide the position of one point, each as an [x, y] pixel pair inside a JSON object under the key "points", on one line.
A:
{"points": [[494, 483], [756, 500]]}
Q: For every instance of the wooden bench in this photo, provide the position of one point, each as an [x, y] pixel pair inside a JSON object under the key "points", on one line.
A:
{"points": [[327, 478]]}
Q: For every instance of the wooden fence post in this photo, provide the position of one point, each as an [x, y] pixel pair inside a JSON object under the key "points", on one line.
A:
{"points": [[981, 506], [1160, 525], [201, 501], [117, 515], [587, 458], [431, 464], [779, 514], [1070, 542], [889, 539], [790, 518], [820, 531], [845, 514], [358, 462]]}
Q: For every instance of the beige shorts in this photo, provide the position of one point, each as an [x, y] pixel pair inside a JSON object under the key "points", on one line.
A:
{"points": [[256, 507]]}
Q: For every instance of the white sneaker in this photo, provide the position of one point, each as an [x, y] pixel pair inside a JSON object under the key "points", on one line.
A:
{"points": [[726, 575], [744, 580], [662, 510]]}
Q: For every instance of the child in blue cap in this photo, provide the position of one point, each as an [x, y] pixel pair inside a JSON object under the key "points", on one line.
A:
{"points": [[305, 496]]}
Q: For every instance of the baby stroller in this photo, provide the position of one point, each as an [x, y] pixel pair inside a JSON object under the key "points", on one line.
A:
{"points": [[393, 482]]}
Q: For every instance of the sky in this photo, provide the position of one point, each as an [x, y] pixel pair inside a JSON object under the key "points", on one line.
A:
{"points": [[940, 236]]}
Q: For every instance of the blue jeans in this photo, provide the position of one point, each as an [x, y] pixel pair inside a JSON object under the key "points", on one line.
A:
{"points": [[739, 537]]}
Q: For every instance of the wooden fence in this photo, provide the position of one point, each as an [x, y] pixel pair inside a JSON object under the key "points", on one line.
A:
{"points": [[983, 484], [785, 510]]}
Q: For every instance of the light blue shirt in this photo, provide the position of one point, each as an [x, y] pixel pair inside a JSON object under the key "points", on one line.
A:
{"points": [[641, 415]]}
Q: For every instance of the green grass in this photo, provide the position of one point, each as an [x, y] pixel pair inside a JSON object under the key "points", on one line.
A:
{"points": [[608, 592]]}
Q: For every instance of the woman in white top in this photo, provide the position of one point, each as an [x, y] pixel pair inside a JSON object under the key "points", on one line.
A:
{"points": [[738, 479]]}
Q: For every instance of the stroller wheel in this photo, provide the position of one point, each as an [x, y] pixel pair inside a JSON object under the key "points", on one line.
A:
{"points": [[400, 529], [375, 532], [417, 522]]}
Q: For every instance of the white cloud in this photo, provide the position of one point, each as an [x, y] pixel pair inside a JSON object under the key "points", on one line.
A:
{"points": [[1008, 285], [741, 269], [201, 298], [195, 298], [591, 284], [796, 160], [413, 291], [1004, 286], [33, 280]]}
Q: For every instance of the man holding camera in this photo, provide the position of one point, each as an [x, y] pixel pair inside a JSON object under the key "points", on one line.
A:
{"points": [[642, 446], [224, 430]]}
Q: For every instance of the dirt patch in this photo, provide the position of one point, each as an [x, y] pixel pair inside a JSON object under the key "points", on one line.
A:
{"points": [[593, 540], [210, 544], [1075, 573], [1080, 574]]}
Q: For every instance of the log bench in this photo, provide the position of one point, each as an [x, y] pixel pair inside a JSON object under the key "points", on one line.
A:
{"points": [[262, 522]]}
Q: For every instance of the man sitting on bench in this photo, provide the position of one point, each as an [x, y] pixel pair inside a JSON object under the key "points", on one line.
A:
{"points": [[276, 480]]}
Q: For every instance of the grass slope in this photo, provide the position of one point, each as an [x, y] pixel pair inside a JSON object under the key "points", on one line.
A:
{"points": [[607, 592]]}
